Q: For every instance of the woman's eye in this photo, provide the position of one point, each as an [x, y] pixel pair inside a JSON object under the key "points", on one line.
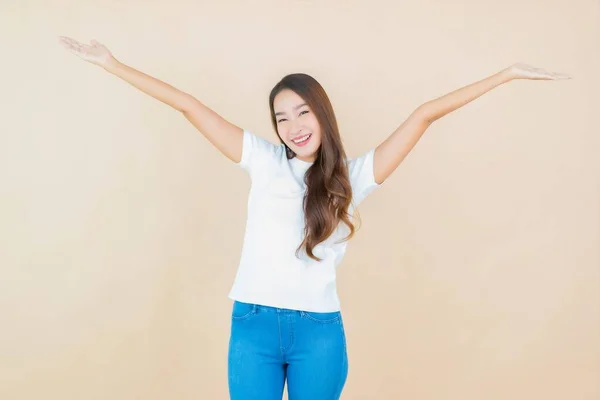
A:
{"points": [[303, 112], [281, 120]]}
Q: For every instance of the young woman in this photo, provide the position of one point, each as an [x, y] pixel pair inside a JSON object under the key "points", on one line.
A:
{"points": [[286, 320]]}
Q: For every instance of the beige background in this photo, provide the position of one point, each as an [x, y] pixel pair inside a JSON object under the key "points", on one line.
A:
{"points": [[475, 274]]}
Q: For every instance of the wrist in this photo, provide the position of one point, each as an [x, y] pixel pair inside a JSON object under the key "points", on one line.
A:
{"points": [[111, 64], [508, 74]]}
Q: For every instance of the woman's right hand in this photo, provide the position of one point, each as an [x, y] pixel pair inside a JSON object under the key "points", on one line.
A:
{"points": [[95, 52]]}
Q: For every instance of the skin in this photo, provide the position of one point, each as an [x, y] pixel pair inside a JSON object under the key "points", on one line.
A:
{"points": [[228, 138], [295, 119]]}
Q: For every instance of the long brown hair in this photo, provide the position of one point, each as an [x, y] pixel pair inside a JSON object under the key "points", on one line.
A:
{"points": [[328, 191]]}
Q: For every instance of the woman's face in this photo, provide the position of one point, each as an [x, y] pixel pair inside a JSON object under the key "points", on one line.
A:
{"points": [[297, 125]]}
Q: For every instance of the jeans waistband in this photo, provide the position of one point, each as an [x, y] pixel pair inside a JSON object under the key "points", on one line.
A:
{"points": [[264, 308]]}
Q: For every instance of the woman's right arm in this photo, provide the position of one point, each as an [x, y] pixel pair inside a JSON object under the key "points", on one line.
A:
{"points": [[225, 136]]}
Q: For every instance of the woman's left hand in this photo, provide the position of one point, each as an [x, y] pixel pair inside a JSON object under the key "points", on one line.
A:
{"points": [[524, 71]]}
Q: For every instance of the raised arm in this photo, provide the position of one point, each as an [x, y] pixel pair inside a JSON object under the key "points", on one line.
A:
{"points": [[390, 153], [225, 136]]}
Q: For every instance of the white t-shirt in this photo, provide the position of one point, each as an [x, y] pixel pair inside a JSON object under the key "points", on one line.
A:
{"points": [[269, 272]]}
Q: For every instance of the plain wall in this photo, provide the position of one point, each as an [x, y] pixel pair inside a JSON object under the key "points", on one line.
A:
{"points": [[476, 270]]}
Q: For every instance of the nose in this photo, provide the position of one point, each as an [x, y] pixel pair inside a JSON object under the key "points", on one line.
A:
{"points": [[295, 127]]}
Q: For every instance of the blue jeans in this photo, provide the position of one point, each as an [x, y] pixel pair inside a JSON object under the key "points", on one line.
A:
{"points": [[269, 345]]}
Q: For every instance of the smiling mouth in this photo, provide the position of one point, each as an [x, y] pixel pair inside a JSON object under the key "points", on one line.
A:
{"points": [[302, 140]]}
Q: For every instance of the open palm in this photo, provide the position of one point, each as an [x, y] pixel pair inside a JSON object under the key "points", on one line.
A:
{"points": [[95, 52], [524, 71]]}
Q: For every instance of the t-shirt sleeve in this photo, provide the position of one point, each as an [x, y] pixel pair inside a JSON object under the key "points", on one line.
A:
{"points": [[259, 156], [362, 177]]}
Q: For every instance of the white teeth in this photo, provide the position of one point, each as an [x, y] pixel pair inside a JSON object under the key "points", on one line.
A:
{"points": [[302, 139]]}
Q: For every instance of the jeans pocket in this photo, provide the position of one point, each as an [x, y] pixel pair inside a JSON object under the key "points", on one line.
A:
{"points": [[242, 311], [322, 318]]}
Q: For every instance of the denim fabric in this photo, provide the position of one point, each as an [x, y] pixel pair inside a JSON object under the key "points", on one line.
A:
{"points": [[269, 345]]}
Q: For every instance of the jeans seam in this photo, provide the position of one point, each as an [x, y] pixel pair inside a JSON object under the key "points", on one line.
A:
{"points": [[247, 315], [320, 321], [344, 363], [281, 349]]}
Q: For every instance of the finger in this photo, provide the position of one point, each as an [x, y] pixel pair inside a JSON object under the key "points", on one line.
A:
{"points": [[65, 41], [554, 76], [67, 45], [82, 47], [75, 52], [77, 49], [68, 40], [540, 73], [545, 75], [71, 44]]}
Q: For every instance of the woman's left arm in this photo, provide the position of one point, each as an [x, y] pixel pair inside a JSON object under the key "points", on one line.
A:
{"points": [[390, 153]]}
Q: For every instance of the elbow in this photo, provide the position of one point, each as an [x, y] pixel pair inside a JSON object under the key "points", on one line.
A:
{"points": [[425, 114], [186, 104]]}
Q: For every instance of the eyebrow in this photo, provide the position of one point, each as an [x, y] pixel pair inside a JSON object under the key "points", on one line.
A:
{"points": [[295, 108]]}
